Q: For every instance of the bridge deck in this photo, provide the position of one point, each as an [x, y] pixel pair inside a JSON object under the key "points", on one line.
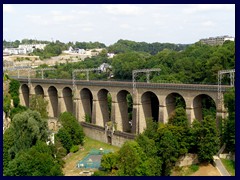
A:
{"points": [[202, 87]]}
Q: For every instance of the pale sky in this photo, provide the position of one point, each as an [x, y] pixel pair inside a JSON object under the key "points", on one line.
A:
{"points": [[107, 23]]}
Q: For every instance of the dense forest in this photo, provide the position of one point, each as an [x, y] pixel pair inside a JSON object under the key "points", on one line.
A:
{"points": [[197, 63]]}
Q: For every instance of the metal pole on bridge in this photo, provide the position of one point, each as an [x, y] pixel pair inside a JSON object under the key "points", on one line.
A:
{"points": [[135, 94]]}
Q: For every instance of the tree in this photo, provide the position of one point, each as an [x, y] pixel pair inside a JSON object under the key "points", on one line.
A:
{"points": [[36, 161], [65, 139], [229, 125], [28, 128], [131, 160], [207, 138], [14, 91], [151, 129], [71, 133], [8, 142], [179, 118], [38, 103], [109, 161], [148, 145], [167, 150]]}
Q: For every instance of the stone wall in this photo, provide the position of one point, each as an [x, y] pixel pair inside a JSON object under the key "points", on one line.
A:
{"points": [[229, 156], [187, 160], [98, 133]]}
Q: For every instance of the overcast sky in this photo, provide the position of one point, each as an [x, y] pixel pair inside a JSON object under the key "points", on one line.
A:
{"points": [[107, 23]]}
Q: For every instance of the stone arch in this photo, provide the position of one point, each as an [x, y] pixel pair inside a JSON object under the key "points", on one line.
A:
{"points": [[87, 103], [198, 103], [39, 90], [25, 95], [105, 108], [171, 102], [150, 104], [125, 111], [53, 101], [68, 99]]}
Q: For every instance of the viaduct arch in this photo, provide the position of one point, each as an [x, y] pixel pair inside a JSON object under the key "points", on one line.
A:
{"points": [[90, 99]]}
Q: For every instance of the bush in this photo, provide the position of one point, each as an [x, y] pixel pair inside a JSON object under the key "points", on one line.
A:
{"points": [[74, 149], [194, 168], [17, 110], [16, 101], [6, 103]]}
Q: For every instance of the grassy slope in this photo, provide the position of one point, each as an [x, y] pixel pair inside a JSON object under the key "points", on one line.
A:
{"points": [[229, 165]]}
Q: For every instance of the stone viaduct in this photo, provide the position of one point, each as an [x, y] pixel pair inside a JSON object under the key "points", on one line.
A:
{"points": [[89, 99]]}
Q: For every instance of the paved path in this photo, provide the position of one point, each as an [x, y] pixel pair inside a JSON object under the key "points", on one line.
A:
{"points": [[220, 166]]}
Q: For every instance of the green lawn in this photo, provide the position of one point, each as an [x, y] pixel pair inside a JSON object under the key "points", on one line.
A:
{"points": [[229, 165]]}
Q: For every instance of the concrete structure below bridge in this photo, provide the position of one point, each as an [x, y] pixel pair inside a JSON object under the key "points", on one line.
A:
{"points": [[88, 100]]}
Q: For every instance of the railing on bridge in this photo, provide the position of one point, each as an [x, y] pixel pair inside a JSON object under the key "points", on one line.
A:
{"points": [[196, 87]]}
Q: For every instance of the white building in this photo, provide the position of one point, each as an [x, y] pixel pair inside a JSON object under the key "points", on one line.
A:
{"points": [[23, 49], [219, 40]]}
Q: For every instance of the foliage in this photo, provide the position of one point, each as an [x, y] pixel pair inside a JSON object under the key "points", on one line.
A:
{"points": [[99, 173], [59, 151], [71, 132], [88, 118], [14, 91], [109, 101], [38, 103], [74, 149], [229, 125], [148, 145], [229, 102], [206, 138], [109, 161], [36, 161], [167, 150], [65, 139], [6, 103], [8, 142], [179, 118], [124, 64], [28, 127], [123, 46], [17, 110], [88, 45], [131, 160], [194, 168], [151, 129]]}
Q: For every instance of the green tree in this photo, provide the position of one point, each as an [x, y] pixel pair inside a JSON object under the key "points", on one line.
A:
{"points": [[131, 160], [28, 127], [71, 133], [36, 161], [109, 161], [179, 118], [14, 91], [65, 139], [8, 142], [124, 64], [148, 145], [229, 124], [207, 138], [151, 129], [38, 103], [168, 151]]}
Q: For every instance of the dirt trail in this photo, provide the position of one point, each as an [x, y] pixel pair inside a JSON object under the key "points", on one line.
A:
{"points": [[206, 170]]}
